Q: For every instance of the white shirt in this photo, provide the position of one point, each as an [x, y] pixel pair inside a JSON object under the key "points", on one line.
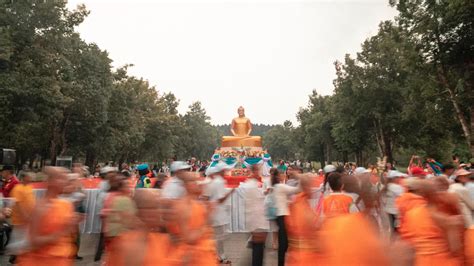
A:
{"points": [[393, 192], [216, 190], [254, 206], [465, 200], [173, 188], [282, 193]]}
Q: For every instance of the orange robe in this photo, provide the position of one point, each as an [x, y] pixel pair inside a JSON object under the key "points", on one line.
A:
{"points": [[203, 252], [469, 246], [351, 239], [406, 202], [336, 204], [429, 241], [154, 247], [318, 180], [59, 253], [303, 239]]}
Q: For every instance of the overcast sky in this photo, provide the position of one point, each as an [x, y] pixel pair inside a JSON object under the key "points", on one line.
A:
{"points": [[265, 55]]}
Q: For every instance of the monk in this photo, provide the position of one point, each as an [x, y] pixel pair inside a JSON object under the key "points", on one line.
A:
{"points": [[147, 243], [409, 200], [302, 225], [352, 238], [337, 202], [427, 230], [196, 244], [52, 223]]}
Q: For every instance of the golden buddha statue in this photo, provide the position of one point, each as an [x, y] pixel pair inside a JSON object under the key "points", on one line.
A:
{"points": [[241, 129]]}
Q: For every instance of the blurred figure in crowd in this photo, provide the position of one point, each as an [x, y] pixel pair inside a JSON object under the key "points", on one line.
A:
{"points": [[52, 224], [255, 220], [9, 180], [217, 195], [21, 214], [174, 187]]}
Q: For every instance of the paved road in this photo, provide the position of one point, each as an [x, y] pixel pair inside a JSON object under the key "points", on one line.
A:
{"points": [[235, 247]]}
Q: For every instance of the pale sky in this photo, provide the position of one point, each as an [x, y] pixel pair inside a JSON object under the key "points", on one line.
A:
{"points": [[265, 55]]}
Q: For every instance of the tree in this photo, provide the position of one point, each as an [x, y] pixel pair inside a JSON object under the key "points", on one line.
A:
{"points": [[443, 33], [200, 138], [279, 141]]}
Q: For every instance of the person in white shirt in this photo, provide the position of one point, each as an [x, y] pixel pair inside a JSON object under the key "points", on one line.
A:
{"points": [[282, 193], [216, 193], [391, 191], [174, 187], [255, 219], [465, 200]]}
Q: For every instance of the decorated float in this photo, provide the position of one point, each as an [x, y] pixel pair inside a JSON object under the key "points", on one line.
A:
{"points": [[241, 151]]}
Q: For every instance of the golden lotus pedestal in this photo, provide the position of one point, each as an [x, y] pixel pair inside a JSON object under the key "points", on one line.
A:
{"points": [[248, 141]]}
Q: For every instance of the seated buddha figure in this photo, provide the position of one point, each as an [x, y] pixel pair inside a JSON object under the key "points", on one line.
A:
{"points": [[241, 129]]}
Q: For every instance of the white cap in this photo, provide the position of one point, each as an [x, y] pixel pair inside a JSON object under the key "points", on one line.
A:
{"points": [[329, 168], [394, 174], [108, 169], [361, 170], [179, 165], [219, 167], [320, 170]]}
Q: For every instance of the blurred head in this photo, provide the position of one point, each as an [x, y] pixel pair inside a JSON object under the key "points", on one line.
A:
{"points": [[57, 178], [191, 184], [351, 184], [255, 169], [119, 183], [275, 176], [462, 176], [28, 177], [441, 183], [7, 172], [294, 170], [388, 167], [125, 166], [71, 185], [335, 181], [147, 202], [306, 183]]}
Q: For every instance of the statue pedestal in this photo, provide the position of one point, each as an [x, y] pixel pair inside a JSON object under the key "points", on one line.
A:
{"points": [[248, 141]]}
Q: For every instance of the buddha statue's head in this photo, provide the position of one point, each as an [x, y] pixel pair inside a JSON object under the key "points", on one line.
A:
{"points": [[241, 111]]}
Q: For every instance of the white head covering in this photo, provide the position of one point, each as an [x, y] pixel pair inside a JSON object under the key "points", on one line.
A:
{"points": [[361, 170], [394, 174], [219, 167], [179, 165], [329, 168]]}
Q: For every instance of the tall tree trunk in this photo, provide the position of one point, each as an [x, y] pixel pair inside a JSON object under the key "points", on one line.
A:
{"points": [[345, 156], [457, 109], [90, 159], [388, 148], [322, 156]]}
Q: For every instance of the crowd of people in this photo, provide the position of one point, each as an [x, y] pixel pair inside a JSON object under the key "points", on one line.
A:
{"points": [[339, 215]]}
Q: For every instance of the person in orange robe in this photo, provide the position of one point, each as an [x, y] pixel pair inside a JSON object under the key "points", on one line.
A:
{"points": [[408, 200], [52, 223], [196, 246], [352, 239], [337, 202], [302, 225], [147, 243], [427, 230]]}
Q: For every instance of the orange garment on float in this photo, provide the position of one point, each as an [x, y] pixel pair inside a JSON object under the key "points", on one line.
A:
{"points": [[350, 239], [428, 240], [336, 204], [54, 220], [303, 242], [203, 252]]}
